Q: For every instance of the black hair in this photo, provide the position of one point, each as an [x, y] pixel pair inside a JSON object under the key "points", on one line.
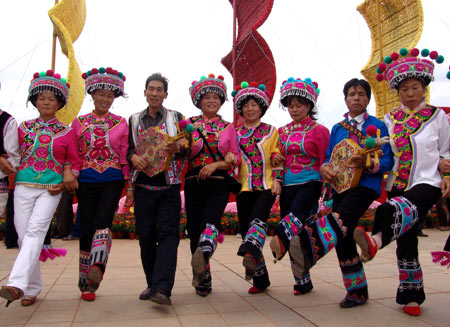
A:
{"points": [[358, 82], [58, 95], [312, 111], [160, 78], [117, 92]]}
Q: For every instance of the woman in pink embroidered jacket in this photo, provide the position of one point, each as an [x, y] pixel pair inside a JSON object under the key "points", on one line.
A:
{"points": [[49, 163], [303, 144], [103, 144], [214, 155]]}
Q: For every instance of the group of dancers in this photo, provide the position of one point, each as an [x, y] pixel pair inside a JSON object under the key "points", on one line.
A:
{"points": [[100, 153]]}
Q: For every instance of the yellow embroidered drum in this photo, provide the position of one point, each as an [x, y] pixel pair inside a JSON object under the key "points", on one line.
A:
{"points": [[150, 146], [347, 177]]}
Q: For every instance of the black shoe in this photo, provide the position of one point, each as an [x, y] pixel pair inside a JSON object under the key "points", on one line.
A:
{"points": [[161, 297], [146, 294], [346, 304], [421, 234], [203, 291]]}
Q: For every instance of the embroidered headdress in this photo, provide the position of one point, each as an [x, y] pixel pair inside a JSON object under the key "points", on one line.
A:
{"points": [[245, 91], [108, 79], [304, 88], [51, 82], [206, 85], [406, 64]]}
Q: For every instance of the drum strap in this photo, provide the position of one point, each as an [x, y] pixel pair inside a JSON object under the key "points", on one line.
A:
{"points": [[352, 129]]}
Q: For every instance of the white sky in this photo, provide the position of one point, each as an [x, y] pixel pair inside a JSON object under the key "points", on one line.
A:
{"points": [[326, 40]]}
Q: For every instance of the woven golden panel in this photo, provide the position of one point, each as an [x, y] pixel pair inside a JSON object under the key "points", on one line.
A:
{"points": [[401, 23], [68, 18]]}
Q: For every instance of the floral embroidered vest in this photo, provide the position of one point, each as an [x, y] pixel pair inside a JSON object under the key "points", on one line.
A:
{"points": [[405, 125], [38, 168], [248, 139], [298, 167], [94, 143]]}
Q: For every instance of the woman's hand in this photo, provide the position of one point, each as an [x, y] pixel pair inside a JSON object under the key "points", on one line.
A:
{"points": [[207, 170], [445, 187], [56, 189], [230, 158], [328, 174], [444, 166], [171, 147], [278, 159], [129, 200], [69, 180], [6, 167], [138, 163], [276, 187]]}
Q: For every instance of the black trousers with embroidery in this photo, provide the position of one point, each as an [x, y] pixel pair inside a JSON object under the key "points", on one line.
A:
{"points": [[393, 219], [351, 205]]}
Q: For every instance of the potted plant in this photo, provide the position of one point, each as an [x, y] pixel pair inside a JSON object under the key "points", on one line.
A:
{"points": [[2, 228]]}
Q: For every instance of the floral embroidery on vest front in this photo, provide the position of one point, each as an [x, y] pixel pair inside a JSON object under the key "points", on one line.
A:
{"points": [[405, 126], [94, 143], [249, 138]]}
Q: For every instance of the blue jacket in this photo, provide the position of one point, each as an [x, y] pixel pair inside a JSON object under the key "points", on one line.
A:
{"points": [[373, 181]]}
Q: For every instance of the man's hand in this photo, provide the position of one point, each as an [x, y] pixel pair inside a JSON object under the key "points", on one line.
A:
{"points": [[357, 161], [444, 166], [445, 187], [138, 163], [328, 174], [276, 187], [171, 147], [69, 180]]}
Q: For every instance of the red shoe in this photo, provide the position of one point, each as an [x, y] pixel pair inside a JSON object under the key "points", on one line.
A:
{"points": [[254, 290], [88, 296], [367, 244], [296, 292], [412, 310]]}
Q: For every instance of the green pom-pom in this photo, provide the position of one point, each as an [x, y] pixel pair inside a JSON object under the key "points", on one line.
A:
{"points": [[189, 128], [448, 75], [318, 91], [89, 73], [403, 52], [440, 59], [202, 78], [63, 80], [42, 74], [102, 70], [425, 52], [233, 93], [244, 84], [120, 74], [370, 142], [378, 70], [387, 60], [262, 87]]}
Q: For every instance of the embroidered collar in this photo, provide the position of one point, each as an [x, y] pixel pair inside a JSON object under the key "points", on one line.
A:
{"points": [[52, 121], [303, 126], [412, 111]]}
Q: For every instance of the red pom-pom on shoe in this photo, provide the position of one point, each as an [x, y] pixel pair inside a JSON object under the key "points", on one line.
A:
{"points": [[412, 310], [254, 290]]}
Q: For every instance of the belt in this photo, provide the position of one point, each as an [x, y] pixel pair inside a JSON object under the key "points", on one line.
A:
{"points": [[198, 179]]}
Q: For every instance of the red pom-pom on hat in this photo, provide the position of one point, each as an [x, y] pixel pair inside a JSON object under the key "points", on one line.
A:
{"points": [[382, 67], [94, 71], [36, 75], [434, 54], [57, 76], [109, 70], [84, 75], [380, 77], [220, 77], [316, 85], [68, 85], [414, 52], [211, 76], [394, 55], [254, 84], [237, 88], [49, 72], [124, 78]]}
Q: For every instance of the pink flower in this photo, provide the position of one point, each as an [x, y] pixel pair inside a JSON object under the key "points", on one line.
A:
{"points": [[403, 174], [283, 137], [398, 129], [294, 148], [51, 164], [99, 131], [39, 165], [99, 143], [257, 182], [257, 158], [425, 112], [257, 170], [257, 135], [42, 152], [418, 275], [406, 156], [250, 148], [403, 275], [94, 154], [403, 68], [296, 168], [105, 153], [401, 142], [304, 160], [413, 122], [45, 139], [347, 282]]}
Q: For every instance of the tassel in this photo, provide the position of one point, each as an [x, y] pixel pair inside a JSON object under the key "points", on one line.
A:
{"points": [[441, 258], [221, 237], [58, 252]]}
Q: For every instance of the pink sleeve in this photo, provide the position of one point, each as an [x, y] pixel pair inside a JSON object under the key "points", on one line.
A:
{"points": [[124, 149], [72, 154], [323, 139], [233, 144]]}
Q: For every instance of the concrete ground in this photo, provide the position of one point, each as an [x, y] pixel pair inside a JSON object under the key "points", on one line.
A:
{"points": [[229, 304]]}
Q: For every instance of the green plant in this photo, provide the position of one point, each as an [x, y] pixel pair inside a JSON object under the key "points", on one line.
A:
{"points": [[2, 226]]}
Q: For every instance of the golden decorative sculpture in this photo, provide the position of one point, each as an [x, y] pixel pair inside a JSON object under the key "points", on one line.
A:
{"points": [[400, 24], [68, 17]]}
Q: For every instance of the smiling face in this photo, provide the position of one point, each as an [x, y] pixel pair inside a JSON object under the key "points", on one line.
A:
{"points": [[356, 100], [47, 105], [103, 100], [411, 92], [155, 94], [210, 104], [298, 110], [251, 111]]}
